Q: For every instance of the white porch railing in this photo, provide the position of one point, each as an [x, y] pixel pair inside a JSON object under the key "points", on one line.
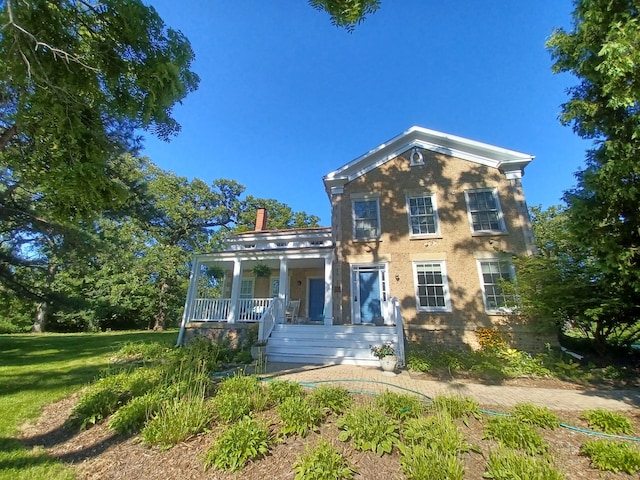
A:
{"points": [[269, 319], [395, 315], [219, 309]]}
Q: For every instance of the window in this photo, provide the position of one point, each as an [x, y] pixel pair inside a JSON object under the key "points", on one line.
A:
{"points": [[423, 219], [432, 289], [366, 221], [492, 273], [246, 288], [484, 210]]}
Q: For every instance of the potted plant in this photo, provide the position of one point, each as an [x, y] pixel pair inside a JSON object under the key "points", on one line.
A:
{"points": [[387, 356], [261, 270], [258, 349]]}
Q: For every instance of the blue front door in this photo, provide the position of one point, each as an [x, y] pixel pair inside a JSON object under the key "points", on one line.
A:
{"points": [[369, 293], [316, 299]]}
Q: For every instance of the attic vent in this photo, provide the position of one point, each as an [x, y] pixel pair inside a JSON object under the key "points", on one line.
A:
{"points": [[250, 246], [281, 244], [416, 157], [317, 243]]}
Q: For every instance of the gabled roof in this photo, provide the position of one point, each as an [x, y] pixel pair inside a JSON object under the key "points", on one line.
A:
{"points": [[510, 162]]}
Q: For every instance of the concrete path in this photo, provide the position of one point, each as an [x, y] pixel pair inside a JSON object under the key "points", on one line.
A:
{"points": [[372, 379]]}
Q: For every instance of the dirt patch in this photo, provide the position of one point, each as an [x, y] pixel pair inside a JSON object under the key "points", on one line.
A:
{"points": [[97, 453]]}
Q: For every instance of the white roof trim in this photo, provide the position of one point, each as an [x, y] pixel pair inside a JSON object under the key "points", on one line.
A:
{"points": [[512, 163]]}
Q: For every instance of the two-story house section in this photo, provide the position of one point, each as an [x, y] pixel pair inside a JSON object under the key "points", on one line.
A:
{"points": [[432, 220], [423, 230]]}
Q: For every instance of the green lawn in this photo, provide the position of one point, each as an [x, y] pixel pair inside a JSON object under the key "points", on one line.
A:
{"points": [[36, 370]]}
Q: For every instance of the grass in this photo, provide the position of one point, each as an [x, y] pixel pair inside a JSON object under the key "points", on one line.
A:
{"points": [[40, 369]]}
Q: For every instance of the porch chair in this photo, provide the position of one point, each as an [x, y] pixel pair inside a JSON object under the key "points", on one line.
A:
{"points": [[291, 312]]}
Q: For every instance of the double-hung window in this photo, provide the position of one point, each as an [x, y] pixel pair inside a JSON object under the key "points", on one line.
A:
{"points": [[484, 210], [423, 216], [366, 219], [492, 275], [432, 288]]}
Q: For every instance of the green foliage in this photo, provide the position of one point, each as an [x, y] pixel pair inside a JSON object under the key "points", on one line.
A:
{"points": [[508, 464], [334, 399], [456, 406], [131, 418], [419, 462], [177, 420], [299, 416], [436, 432], [105, 396], [145, 352], [536, 415], [512, 433], [612, 456], [608, 422], [323, 462], [400, 406], [346, 13], [231, 406], [280, 390], [369, 429], [243, 441]]}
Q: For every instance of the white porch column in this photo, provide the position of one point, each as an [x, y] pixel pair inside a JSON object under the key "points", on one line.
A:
{"points": [[282, 288], [328, 290], [191, 295], [235, 289]]}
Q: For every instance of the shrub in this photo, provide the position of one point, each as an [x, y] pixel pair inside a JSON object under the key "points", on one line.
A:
{"points": [[132, 417], [612, 456], [299, 416], [176, 421], [246, 440], [512, 433], [146, 352], [491, 339], [369, 429], [456, 406], [334, 399], [280, 390], [535, 415], [507, 464], [400, 406], [231, 406], [240, 384], [419, 462], [608, 422], [437, 433], [109, 393], [323, 462]]}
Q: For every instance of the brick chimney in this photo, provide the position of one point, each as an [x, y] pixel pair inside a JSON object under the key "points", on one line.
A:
{"points": [[261, 220]]}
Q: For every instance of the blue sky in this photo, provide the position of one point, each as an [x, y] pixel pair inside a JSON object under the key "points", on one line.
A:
{"points": [[285, 97]]}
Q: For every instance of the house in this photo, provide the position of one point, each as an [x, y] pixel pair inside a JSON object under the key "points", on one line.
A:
{"points": [[423, 229]]}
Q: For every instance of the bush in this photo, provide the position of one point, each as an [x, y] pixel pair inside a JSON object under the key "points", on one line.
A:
{"points": [[608, 422], [299, 416], [280, 390], [369, 429], [246, 440], [334, 399], [132, 417], [419, 462], [400, 406], [534, 415], [231, 406], [437, 433], [323, 462], [240, 384], [512, 433], [456, 406], [612, 456], [508, 464]]}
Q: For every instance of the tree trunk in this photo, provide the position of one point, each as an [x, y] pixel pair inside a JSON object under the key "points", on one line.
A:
{"points": [[161, 317], [40, 323]]}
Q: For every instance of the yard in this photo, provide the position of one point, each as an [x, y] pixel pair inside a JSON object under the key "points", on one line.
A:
{"points": [[44, 373]]}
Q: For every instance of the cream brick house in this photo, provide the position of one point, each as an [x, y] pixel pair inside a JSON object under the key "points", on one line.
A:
{"points": [[423, 228]]}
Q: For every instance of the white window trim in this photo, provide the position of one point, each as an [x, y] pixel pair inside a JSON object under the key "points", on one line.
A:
{"points": [[494, 192], [445, 285], [250, 280], [434, 204], [501, 310], [353, 217]]}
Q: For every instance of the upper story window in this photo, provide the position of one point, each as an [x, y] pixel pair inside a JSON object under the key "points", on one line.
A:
{"points": [[484, 210], [366, 219], [432, 288], [423, 217], [492, 274]]}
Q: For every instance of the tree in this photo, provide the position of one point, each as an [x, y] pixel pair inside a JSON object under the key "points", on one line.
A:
{"points": [[602, 51], [77, 80], [346, 14]]}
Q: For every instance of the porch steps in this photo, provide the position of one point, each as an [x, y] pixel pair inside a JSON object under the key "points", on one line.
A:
{"points": [[327, 345]]}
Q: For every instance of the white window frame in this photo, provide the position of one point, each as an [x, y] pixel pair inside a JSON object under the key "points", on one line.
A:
{"points": [[512, 274], [444, 285], [246, 281], [434, 206], [496, 199], [354, 219]]}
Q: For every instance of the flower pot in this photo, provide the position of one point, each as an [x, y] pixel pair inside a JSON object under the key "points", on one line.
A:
{"points": [[258, 351], [389, 363]]}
